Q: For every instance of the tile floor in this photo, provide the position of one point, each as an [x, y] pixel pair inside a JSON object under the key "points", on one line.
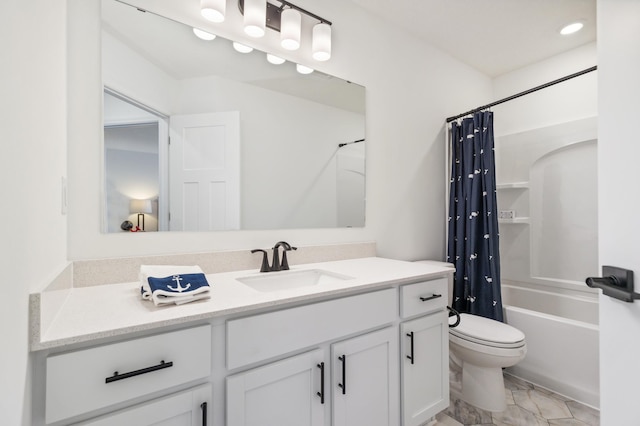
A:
{"points": [[527, 405]]}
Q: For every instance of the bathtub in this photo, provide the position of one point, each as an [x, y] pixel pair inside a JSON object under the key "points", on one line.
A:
{"points": [[562, 336]]}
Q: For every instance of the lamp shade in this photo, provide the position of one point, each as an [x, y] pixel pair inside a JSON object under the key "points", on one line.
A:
{"points": [[140, 206], [204, 35], [290, 25], [321, 42], [255, 17], [242, 48], [213, 10]]}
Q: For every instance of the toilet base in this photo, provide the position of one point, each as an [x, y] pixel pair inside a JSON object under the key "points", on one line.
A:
{"points": [[483, 387]]}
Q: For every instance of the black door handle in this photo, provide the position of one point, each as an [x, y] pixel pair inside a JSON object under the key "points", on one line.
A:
{"points": [[343, 385], [321, 393], [203, 407], [410, 336]]}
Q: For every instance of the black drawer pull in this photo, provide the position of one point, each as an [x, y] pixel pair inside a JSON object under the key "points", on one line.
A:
{"points": [[117, 376], [434, 296], [321, 393]]}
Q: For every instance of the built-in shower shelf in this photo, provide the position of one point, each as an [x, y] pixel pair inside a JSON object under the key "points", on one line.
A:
{"points": [[513, 185], [515, 220]]}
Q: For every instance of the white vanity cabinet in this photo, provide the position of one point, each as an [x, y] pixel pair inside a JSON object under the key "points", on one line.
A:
{"points": [[188, 408], [364, 381], [425, 351]]}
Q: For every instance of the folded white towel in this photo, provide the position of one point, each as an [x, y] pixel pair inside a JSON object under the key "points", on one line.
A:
{"points": [[165, 291]]}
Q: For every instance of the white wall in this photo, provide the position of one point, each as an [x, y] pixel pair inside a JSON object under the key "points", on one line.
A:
{"points": [[411, 88], [32, 164], [618, 153]]}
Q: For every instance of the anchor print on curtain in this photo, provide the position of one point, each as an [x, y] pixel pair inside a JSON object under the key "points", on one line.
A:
{"points": [[473, 220]]}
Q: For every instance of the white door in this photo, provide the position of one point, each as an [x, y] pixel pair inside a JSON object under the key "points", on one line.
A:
{"points": [[189, 408], [425, 368], [204, 172], [365, 380], [619, 204], [283, 393]]}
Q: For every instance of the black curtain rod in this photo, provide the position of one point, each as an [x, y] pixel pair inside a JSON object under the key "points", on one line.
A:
{"points": [[526, 92]]}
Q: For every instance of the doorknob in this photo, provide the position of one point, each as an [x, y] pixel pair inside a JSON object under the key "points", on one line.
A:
{"points": [[615, 282]]}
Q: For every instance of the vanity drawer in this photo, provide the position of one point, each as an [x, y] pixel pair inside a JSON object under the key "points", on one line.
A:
{"points": [[264, 336], [423, 297], [82, 381]]}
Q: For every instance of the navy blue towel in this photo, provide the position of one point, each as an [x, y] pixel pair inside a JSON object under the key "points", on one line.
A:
{"points": [[179, 284]]}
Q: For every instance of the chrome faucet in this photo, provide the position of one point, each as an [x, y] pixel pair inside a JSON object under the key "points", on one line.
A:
{"points": [[276, 264]]}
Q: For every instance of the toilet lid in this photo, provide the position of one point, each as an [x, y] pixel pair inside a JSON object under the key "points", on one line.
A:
{"points": [[487, 331]]}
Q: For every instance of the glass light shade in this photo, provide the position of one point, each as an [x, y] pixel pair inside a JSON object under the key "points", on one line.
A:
{"points": [[321, 42], [571, 28], [255, 17], [213, 10], [275, 60], [140, 206], [290, 25], [303, 70], [203, 34], [242, 48]]}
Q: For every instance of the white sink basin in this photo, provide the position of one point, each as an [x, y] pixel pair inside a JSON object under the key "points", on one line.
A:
{"points": [[284, 280]]}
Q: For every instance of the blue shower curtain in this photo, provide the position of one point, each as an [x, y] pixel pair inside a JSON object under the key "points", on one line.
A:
{"points": [[473, 218]]}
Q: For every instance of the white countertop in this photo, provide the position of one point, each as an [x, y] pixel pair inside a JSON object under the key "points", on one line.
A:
{"points": [[96, 312]]}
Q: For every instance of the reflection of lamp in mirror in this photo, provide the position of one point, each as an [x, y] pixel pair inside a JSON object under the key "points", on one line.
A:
{"points": [[140, 207], [242, 48]]}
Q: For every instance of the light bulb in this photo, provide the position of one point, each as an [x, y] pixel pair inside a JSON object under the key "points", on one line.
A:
{"points": [[255, 17], [321, 42], [213, 10], [290, 24]]}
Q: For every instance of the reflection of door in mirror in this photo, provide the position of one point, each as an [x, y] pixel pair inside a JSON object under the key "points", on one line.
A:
{"points": [[350, 181], [205, 171], [135, 140]]}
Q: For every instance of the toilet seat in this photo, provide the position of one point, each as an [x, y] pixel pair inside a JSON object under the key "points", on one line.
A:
{"points": [[488, 332]]}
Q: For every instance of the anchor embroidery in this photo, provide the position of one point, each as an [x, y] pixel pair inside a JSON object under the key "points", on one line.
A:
{"points": [[178, 287]]}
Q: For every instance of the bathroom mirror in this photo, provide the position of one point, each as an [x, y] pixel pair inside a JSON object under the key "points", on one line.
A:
{"points": [[253, 145]]}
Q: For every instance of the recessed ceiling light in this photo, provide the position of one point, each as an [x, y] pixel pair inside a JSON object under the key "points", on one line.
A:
{"points": [[571, 28]]}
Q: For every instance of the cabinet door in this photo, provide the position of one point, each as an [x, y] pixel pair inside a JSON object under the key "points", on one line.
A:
{"points": [[365, 380], [283, 393], [189, 408], [425, 368]]}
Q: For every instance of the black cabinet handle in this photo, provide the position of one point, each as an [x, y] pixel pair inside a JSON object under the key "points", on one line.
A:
{"points": [[410, 336], [203, 407], [343, 385], [321, 393], [434, 296], [117, 376]]}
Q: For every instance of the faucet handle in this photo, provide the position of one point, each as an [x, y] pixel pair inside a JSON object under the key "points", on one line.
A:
{"points": [[265, 260], [285, 264]]}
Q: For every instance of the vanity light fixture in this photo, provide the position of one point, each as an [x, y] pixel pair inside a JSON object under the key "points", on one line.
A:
{"points": [[275, 60], [242, 48], [140, 207], [255, 17], [213, 10], [203, 34], [572, 28], [286, 18], [303, 69]]}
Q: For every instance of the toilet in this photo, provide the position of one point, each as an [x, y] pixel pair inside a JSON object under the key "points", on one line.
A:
{"points": [[481, 348]]}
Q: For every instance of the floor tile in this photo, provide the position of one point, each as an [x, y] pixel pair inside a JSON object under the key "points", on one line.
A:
{"points": [[583, 413], [541, 404], [518, 416]]}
